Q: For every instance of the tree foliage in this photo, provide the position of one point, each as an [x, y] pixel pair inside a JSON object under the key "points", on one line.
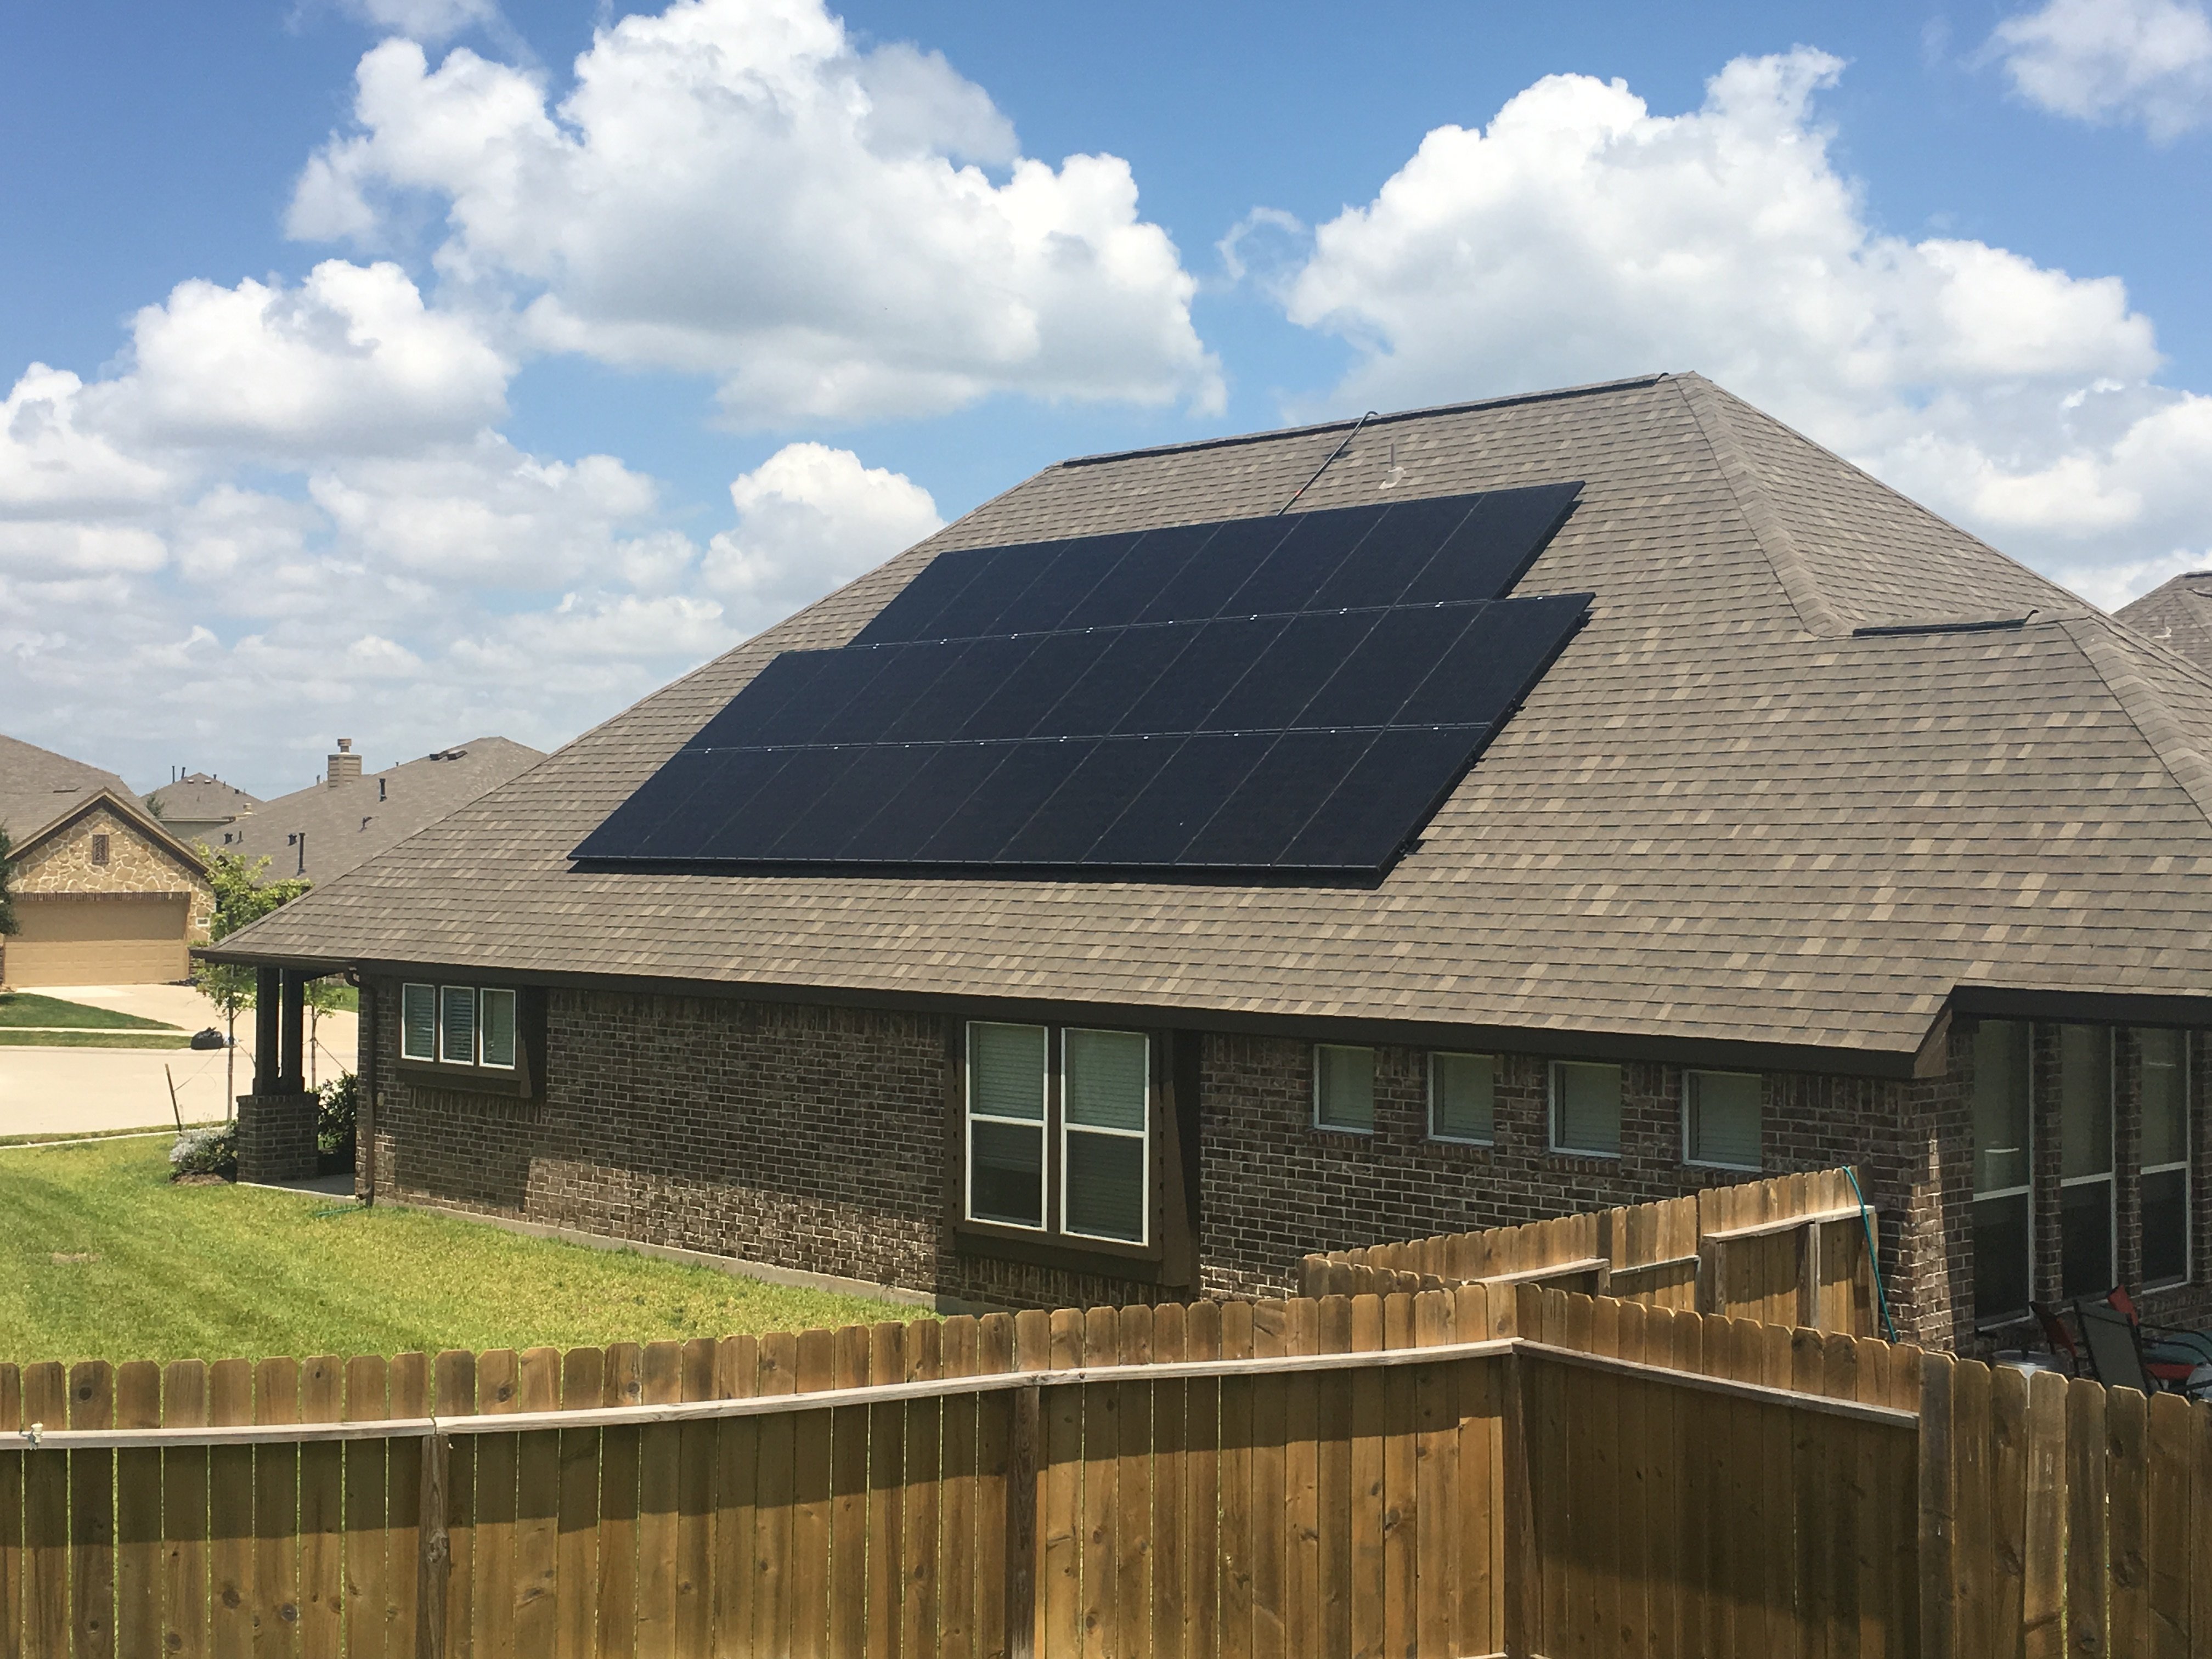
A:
{"points": [[240, 897], [7, 894]]}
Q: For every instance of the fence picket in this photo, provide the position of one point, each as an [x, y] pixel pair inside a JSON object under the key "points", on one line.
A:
{"points": [[2087, 1543], [2042, 1558], [773, 1507], [849, 1501], [576, 1546], [1235, 1467], [537, 1507], [1201, 1608], [92, 1514], [1060, 1503], [886, 1557], [919, 1517], [736, 1466], [2169, 1502], [1004, 1343], [1098, 1411], [453, 1385], [958, 1551], [499, 1392], [276, 1513], [322, 1514], [2127, 1554], [1133, 1495], [138, 1539], [407, 1380], [694, 1505]]}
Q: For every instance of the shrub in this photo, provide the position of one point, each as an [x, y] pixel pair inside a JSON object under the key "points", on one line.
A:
{"points": [[337, 1106], [206, 1151]]}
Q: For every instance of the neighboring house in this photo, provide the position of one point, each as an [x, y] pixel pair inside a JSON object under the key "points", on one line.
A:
{"points": [[2178, 615], [105, 895], [1833, 837], [199, 806], [351, 816]]}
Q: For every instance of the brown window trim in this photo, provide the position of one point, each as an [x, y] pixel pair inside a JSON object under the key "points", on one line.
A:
{"points": [[1171, 1259]]}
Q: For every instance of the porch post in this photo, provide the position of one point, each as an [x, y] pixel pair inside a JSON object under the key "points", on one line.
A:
{"points": [[266, 1011], [292, 1071]]}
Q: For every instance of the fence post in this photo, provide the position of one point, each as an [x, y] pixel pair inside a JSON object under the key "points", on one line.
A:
{"points": [[1808, 1277], [1021, 1522], [435, 1559], [1938, 1582]]}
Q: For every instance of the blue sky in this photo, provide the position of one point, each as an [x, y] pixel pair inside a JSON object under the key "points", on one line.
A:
{"points": [[340, 368]]}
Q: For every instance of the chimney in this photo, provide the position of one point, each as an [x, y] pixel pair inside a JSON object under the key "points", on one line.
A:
{"points": [[344, 766]]}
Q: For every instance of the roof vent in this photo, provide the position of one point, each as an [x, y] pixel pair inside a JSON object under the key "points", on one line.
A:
{"points": [[1977, 625]]}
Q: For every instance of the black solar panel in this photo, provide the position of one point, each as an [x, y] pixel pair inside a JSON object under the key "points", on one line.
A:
{"points": [[1293, 694]]}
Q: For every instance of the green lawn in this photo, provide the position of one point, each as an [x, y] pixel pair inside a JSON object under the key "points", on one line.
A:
{"points": [[171, 1038], [29, 1008], [100, 1257]]}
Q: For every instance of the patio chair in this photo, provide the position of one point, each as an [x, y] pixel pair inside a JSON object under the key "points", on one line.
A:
{"points": [[2170, 1349], [2115, 1354], [2056, 1337]]}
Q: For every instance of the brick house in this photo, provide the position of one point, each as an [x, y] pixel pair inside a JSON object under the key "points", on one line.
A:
{"points": [[104, 894], [1832, 836]]}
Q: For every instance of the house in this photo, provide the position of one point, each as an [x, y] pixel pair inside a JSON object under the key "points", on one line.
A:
{"points": [[2178, 614], [198, 807], [105, 894], [1830, 836], [350, 817]]}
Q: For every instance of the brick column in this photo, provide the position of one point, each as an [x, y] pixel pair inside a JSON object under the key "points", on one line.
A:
{"points": [[276, 1137]]}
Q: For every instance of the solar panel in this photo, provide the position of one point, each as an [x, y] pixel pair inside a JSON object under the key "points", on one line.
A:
{"points": [[1290, 696]]}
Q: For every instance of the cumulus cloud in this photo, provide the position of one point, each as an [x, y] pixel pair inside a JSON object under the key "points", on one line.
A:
{"points": [[809, 518], [1580, 237], [2146, 61], [732, 187], [425, 20]]}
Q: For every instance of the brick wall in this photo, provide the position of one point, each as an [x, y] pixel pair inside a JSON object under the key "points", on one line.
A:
{"points": [[813, 1138]]}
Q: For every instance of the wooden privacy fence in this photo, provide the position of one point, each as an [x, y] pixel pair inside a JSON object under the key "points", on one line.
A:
{"points": [[1787, 1251], [1483, 1470]]}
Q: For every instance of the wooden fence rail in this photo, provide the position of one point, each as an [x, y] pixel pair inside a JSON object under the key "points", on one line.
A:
{"points": [[1489, 1469], [1791, 1250]]}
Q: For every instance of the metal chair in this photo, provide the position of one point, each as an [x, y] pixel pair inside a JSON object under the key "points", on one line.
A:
{"points": [[2172, 1353], [2056, 1337], [2115, 1347]]}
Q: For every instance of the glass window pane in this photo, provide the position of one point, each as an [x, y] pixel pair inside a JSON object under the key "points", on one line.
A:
{"points": [[1106, 1079], [2165, 1097], [2166, 1227], [498, 1012], [1106, 1186], [2001, 1105], [1005, 1072], [457, 1024], [1006, 1173], [1585, 1107], [418, 1022], [2085, 1239], [1723, 1117], [2085, 1100], [1464, 1097], [2001, 1264], [1344, 1087]]}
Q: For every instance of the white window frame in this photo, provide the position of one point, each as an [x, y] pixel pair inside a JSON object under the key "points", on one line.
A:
{"points": [[1042, 1124], [1319, 1122], [2024, 1190], [2188, 1177], [2111, 1178], [1057, 1108], [514, 1025], [475, 1031], [435, 1023], [1556, 1100], [1689, 1140], [1436, 1098]]}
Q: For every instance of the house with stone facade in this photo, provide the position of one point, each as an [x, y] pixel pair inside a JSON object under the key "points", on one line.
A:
{"points": [[105, 894], [1820, 832]]}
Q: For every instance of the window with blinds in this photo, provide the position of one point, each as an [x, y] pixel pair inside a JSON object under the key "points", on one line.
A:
{"points": [[471, 1026], [495, 1010], [2163, 1191], [457, 1024], [1060, 1132], [1107, 1095], [418, 1022], [1006, 1124], [1464, 1098], [1721, 1118], [1344, 1087], [2003, 1231], [1585, 1108], [2086, 1210]]}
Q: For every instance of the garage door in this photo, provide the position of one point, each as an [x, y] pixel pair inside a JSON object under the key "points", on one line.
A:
{"points": [[123, 940]]}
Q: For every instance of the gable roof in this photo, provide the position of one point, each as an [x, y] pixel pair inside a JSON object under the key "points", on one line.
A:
{"points": [[2178, 615], [42, 791], [352, 821], [1725, 814], [199, 798]]}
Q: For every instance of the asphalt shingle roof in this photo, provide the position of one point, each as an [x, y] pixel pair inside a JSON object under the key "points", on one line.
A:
{"points": [[2178, 615], [1723, 814], [39, 787]]}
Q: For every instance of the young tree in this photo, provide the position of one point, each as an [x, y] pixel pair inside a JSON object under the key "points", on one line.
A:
{"points": [[6, 903], [240, 896], [323, 996]]}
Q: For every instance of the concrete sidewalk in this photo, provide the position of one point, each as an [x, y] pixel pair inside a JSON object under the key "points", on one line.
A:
{"points": [[80, 1090]]}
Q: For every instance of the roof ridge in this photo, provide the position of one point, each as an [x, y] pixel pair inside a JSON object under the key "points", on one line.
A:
{"points": [[2147, 711], [1795, 571]]}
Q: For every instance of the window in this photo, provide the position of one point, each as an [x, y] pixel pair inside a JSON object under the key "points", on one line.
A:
{"points": [[1464, 1098], [1092, 1113], [1721, 1118], [2002, 1219], [1344, 1087], [418, 1022], [1585, 1108], [100, 849], [457, 1024], [2086, 1245], [496, 1010], [2164, 1193]]}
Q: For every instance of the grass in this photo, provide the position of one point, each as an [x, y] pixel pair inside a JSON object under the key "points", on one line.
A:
{"points": [[349, 999], [29, 1008], [101, 1258], [170, 1038]]}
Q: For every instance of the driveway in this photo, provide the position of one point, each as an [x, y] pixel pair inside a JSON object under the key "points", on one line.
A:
{"points": [[78, 1091]]}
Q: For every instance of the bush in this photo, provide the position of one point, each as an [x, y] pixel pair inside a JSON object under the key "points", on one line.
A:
{"points": [[206, 1151], [337, 1106]]}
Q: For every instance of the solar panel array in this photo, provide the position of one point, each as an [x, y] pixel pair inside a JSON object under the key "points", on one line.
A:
{"points": [[1292, 696]]}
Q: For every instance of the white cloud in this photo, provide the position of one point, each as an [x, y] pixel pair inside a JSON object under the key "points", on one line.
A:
{"points": [[1581, 237], [2148, 61], [809, 518], [733, 188], [53, 463], [425, 20]]}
